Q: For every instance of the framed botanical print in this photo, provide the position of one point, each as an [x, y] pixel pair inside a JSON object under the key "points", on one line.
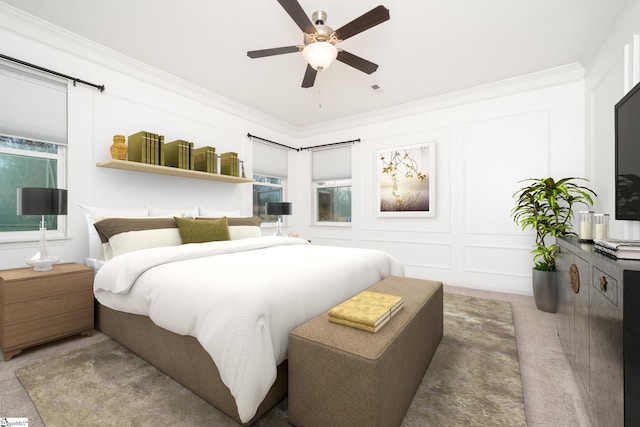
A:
{"points": [[406, 181]]}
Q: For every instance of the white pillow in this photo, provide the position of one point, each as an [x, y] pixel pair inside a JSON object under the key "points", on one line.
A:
{"points": [[144, 239], [215, 213], [96, 213], [244, 231], [191, 212]]}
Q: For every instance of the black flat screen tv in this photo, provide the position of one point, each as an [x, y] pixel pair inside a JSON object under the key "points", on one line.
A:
{"points": [[627, 137]]}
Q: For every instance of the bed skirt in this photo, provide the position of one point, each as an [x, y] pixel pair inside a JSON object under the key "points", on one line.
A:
{"points": [[183, 359]]}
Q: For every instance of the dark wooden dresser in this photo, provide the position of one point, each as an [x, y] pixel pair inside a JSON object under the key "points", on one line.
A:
{"points": [[599, 328]]}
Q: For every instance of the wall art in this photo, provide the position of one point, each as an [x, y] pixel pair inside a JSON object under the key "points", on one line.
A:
{"points": [[406, 181]]}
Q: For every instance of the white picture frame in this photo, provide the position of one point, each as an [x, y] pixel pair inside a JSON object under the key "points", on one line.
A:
{"points": [[405, 180]]}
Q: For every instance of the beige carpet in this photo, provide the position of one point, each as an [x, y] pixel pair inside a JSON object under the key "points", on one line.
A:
{"points": [[474, 379]]}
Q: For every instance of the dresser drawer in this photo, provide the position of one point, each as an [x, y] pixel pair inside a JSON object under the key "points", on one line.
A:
{"points": [[41, 308], [47, 329], [606, 285], [47, 286]]}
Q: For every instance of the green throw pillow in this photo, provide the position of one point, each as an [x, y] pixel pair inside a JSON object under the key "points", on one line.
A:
{"points": [[199, 231]]}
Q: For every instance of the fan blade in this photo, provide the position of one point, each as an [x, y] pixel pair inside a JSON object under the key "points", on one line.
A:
{"points": [[357, 62], [295, 11], [309, 76], [375, 16], [272, 51]]}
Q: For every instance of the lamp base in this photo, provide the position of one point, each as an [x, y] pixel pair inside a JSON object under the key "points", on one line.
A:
{"points": [[42, 264], [278, 229], [42, 261]]}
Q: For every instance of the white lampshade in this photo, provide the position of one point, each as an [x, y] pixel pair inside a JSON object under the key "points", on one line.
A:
{"points": [[320, 55]]}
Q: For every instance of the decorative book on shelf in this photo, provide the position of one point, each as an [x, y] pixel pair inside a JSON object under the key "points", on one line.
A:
{"points": [[367, 310], [146, 147], [229, 164], [618, 249], [205, 159]]}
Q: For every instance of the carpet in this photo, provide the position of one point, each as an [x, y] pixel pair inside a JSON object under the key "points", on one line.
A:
{"points": [[473, 380]]}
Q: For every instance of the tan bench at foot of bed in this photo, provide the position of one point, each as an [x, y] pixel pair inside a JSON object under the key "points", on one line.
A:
{"points": [[341, 376]]}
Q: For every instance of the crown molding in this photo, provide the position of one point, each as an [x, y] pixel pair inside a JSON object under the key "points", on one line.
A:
{"points": [[543, 79]]}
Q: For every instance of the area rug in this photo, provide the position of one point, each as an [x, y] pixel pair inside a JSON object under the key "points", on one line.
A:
{"points": [[473, 380]]}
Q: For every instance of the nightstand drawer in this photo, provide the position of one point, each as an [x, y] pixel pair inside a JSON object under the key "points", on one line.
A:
{"points": [[46, 307], [47, 329], [47, 286]]}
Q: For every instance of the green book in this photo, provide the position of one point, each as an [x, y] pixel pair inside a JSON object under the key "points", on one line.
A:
{"points": [[135, 146], [191, 157], [161, 150], [172, 153], [204, 158], [227, 163]]}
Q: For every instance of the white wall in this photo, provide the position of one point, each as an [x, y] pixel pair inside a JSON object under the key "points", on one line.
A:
{"points": [[605, 77], [486, 139]]}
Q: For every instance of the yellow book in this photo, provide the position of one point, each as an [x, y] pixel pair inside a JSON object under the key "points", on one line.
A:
{"points": [[357, 325], [367, 308]]}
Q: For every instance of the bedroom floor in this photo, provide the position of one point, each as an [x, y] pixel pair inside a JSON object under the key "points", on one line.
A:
{"points": [[550, 389]]}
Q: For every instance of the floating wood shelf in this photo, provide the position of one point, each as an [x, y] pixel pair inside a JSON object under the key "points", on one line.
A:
{"points": [[167, 170]]}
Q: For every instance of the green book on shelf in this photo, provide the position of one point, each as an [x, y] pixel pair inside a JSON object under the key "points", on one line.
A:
{"points": [[172, 153], [135, 147], [228, 163], [191, 156], [204, 159]]}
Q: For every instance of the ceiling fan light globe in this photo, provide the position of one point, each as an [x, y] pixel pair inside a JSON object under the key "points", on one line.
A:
{"points": [[320, 55]]}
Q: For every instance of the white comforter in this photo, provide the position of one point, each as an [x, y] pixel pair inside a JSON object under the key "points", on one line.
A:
{"points": [[240, 298]]}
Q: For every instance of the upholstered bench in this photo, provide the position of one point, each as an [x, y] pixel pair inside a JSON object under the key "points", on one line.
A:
{"points": [[342, 376]]}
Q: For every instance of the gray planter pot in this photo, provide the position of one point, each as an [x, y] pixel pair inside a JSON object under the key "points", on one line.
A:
{"points": [[544, 290]]}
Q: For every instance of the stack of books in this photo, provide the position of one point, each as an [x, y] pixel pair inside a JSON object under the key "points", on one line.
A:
{"points": [[205, 159], [618, 249], [367, 310], [229, 164], [146, 147], [179, 154]]}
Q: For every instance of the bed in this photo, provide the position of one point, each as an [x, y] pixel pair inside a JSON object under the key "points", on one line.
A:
{"points": [[215, 314]]}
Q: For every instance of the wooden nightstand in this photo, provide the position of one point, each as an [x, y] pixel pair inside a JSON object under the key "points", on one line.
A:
{"points": [[37, 307]]}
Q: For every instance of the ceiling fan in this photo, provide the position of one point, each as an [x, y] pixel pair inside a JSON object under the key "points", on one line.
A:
{"points": [[319, 48]]}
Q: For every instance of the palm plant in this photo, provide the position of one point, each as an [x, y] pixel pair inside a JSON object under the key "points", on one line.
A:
{"points": [[546, 206]]}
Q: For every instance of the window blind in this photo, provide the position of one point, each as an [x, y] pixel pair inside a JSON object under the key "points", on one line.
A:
{"points": [[331, 163], [269, 160], [32, 106]]}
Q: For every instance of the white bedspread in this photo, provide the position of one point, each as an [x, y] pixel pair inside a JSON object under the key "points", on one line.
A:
{"points": [[240, 298]]}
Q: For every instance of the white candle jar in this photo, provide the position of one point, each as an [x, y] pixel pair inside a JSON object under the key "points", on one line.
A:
{"points": [[602, 226], [586, 226]]}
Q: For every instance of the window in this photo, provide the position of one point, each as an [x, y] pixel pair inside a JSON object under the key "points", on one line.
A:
{"points": [[333, 200], [26, 163], [332, 185], [266, 189], [33, 138], [269, 174]]}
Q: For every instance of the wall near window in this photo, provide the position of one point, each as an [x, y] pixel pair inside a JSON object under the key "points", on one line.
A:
{"points": [[484, 143]]}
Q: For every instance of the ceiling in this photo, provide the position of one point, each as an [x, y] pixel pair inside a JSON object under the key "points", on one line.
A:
{"points": [[427, 48]]}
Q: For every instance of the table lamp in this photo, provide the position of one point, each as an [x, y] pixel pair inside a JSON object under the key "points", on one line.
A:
{"points": [[42, 201], [278, 208]]}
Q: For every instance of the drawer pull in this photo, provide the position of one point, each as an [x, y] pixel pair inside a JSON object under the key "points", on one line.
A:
{"points": [[574, 278], [603, 284]]}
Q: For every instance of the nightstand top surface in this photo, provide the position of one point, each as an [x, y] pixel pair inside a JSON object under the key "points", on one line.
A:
{"points": [[28, 273]]}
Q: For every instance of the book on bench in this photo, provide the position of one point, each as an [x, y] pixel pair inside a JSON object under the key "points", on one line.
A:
{"points": [[367, 310]]}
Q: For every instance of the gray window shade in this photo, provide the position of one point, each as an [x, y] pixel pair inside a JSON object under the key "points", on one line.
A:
{"points": [[269, 160], [332, 163], [32, 106]]}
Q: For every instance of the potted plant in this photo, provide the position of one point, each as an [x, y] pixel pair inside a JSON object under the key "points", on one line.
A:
{"points": [[546, 205]]}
